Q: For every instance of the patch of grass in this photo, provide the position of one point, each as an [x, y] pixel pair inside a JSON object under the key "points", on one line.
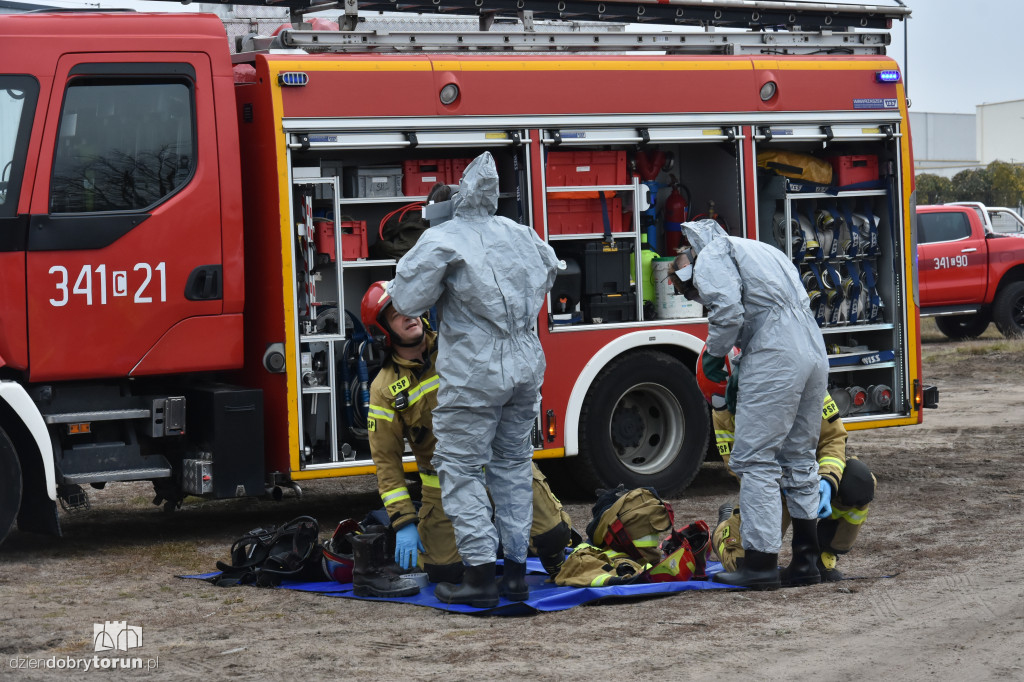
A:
{"points": [[985, 347]]}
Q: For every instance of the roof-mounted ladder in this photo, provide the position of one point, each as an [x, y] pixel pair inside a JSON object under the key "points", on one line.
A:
{"points": [[730, 26]]}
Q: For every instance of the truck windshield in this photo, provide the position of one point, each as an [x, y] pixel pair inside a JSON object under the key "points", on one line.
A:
{"points": [[17, 105]]}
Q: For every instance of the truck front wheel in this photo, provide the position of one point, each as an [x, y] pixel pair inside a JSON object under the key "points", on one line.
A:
{"points": [[1008, 310], [963, 326], [644, 422], [10, 485]]}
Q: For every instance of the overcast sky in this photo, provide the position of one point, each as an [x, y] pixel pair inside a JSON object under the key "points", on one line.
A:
{"points": [[961, 52]]}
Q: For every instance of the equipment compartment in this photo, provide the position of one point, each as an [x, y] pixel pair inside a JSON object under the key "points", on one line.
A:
{"points": [[843, 243]]}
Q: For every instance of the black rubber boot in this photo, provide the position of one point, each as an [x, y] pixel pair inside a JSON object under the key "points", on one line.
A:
{"points": [[374, 572], [477, 589], [803, 569], [756, 570], [513, 582]]}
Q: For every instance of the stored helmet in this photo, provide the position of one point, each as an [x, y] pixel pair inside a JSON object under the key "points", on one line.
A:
{"points": [[375, 301], [709, 388], [338, 560]]}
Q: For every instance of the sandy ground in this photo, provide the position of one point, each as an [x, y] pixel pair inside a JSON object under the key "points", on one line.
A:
{"points": [[941, 595]]}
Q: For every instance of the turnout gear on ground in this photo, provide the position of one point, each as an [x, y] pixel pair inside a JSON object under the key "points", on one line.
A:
{"points": [[757, 302], [590, 566], [631, 521], [488, 276], [375, 573], [477, 588], [402, 398]]}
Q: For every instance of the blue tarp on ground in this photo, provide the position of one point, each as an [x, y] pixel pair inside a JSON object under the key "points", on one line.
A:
{"points": [[544, 595]]}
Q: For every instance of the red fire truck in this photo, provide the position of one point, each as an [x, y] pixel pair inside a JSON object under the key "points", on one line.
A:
{"points": [[186, 231]]}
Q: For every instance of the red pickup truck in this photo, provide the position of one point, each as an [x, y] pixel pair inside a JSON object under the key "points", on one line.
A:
{"points": [[968, 274]]}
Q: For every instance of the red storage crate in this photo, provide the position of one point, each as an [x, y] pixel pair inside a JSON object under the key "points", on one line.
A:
{"points": [[579, 169], [419, 175], [323, 237], [353, 239], [853, 169], [583, 216]]}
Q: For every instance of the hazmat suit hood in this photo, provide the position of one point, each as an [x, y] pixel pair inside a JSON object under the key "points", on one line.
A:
{"points": [[701, 233], [478, 189]]}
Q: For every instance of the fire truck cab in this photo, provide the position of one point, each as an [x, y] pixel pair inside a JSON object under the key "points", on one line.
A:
{"points": [[186, 233]]}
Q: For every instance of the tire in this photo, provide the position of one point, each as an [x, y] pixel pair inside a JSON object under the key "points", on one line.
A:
{"points": [[10, 485], [644, 422], [1008, 310], [958, 327]]}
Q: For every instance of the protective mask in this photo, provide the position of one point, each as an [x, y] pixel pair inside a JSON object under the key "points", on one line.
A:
{"points": [[686, 274]]}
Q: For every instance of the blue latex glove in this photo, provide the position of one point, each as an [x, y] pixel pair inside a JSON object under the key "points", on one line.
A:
{"points": [[825, 499], [732, 390], [407, 546], [714, 367]]}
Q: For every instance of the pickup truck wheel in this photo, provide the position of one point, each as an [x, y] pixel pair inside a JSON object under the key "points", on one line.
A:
{"points": [[963, 326], [10, 485], [644, 422], [1008, 310]]}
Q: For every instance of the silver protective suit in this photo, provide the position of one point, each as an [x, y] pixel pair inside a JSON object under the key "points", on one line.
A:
{"points": [[488, 276], [757, 302]]}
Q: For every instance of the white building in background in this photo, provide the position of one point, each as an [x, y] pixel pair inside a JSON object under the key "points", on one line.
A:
{"points": [[1001, 132], [944, 144]]}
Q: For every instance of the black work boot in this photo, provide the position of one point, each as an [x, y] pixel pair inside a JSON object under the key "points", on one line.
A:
{"points": [[374, 572], [477, 589], [513, 582], [803, 569], [756, 570]]}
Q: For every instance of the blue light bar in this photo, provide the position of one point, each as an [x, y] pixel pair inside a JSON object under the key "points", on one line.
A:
{"points": [[292, 78], [887, 76]]}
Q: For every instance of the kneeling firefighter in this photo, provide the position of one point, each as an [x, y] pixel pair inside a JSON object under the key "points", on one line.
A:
{"points": [[402, 399], [847, 487]]}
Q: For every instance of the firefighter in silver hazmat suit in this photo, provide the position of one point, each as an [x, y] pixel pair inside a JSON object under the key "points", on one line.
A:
{"points": [[756, 302], [488, 276]]}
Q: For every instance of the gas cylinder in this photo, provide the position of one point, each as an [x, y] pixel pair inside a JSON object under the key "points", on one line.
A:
{"points": [[675, 215]]}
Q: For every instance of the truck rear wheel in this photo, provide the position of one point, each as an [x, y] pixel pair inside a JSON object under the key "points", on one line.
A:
{"points": [[1008, 310], [963, 326], [644, 422], [10, 485]]}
